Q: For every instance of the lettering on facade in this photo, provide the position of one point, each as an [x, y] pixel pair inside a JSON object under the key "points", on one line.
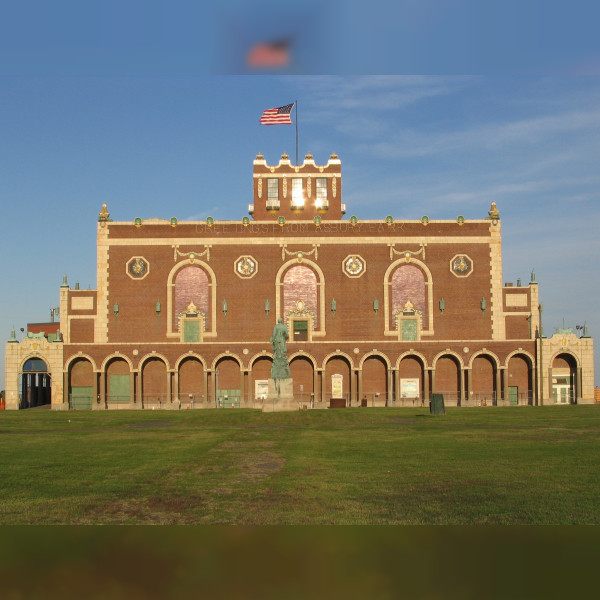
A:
{"points": [[294, 227]]}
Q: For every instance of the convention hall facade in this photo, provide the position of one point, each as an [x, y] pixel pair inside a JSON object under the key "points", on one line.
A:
{"points": [[380, 312]]}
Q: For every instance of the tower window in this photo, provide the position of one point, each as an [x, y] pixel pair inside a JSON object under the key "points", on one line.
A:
{"points": [[272, 190], [297, 199], [321, 190]]}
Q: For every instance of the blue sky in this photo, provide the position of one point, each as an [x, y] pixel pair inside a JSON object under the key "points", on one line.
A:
{"points": [[147, 107]]}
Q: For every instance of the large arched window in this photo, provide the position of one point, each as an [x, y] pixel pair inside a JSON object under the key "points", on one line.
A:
{"points": [[407, 288], [191, 286], [191, 299], [408, 293], [300, 284], [300, 300]]}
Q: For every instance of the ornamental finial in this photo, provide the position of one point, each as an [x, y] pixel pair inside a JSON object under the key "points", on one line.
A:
{"points": [[104, 214]]}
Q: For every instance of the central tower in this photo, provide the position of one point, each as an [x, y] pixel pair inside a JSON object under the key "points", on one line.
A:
{"points": [[297, 192]]}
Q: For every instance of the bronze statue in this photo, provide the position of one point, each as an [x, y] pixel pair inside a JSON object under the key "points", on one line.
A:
{"points": [[281, 367]]}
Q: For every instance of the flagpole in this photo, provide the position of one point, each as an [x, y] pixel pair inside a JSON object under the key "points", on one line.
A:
{"points": [[296, 132]]}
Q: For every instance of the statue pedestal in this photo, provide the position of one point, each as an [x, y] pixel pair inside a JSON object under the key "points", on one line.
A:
{"points": [[280, 396]]}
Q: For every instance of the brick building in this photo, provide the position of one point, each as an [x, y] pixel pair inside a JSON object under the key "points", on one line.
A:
{"points": [[380, 312]]}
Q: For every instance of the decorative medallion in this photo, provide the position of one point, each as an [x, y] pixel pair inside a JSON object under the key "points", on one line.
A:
{"points": [[354, 266], [246, 267], [461, 265], [137, 267]]}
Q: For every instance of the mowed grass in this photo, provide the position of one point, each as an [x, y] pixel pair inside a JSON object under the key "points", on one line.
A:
{"points": [[346, 466]]}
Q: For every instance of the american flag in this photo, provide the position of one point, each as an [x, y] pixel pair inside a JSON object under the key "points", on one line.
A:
{"points": [[277, 116]]}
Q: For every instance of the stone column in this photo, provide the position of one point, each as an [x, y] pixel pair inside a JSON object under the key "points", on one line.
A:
{"points": [[65, 398], [131, 389], [176, 397], [360, 384], [169, 390], [461, 386], [214, 388], [426, 390], [95, 388], [249, 398], [205, 390], [242, 386], [505, 384], [102, 390], [390, 388], [138, 389], [468, 386], [498, 387]]}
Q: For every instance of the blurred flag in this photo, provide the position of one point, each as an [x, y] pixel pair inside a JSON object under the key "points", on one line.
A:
{"points": [[269, 55], [277, 116]]}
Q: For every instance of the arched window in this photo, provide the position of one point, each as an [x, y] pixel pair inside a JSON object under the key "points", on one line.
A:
{"points": [[191, 287], [300, 284], [408, 288], [300, 302]]}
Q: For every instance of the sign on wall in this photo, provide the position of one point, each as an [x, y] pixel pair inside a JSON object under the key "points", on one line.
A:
{"points": [[409, 388], [337, 386], [261, 388]]}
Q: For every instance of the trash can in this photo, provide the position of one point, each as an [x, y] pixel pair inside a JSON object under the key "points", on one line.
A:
{"points": [[436, 405]]}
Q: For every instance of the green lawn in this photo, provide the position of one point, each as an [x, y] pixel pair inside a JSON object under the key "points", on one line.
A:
{"points": [[347, 466]]}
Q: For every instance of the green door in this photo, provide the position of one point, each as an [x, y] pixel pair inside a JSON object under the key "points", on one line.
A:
{"points": [[409, 330], [513, 395], [82, 397], [229, 398], [118, 389], [191, 331]]}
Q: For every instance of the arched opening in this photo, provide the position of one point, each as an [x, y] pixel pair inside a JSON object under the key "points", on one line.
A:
{"points": [[191, 380], [447, 379], [154, 383], [411, 383], [261, 373], [337, 381], [375, 381], [36, 388], [228, 383], [82, 388], [483, 380], [118, 383], [564, 379], [303, 375], [519, 380]]}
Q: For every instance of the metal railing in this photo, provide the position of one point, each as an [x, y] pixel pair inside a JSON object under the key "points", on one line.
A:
{"points": [[305, 401]]}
